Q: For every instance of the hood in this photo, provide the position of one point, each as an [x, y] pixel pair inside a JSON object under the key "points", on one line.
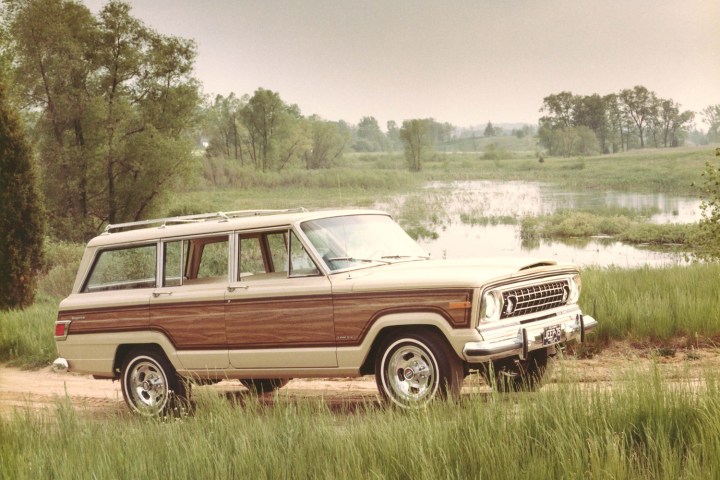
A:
{"points": [[462, 273]]}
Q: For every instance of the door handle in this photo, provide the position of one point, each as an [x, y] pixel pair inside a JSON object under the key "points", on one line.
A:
{"points": [[232, 288], [157, 294]]}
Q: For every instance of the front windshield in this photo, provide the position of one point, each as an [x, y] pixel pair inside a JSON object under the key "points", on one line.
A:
{"points": [[354, 241]]}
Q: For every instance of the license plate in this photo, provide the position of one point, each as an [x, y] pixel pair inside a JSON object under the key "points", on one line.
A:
{"points": [[552, 335]]}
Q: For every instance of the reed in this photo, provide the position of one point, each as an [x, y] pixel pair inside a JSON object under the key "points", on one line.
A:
{"points": [[638, 426]]}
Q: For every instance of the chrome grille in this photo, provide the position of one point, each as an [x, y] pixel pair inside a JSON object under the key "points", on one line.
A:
{"points": [[534, 298]]}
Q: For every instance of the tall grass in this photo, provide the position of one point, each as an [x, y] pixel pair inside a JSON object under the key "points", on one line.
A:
{"points": [[637, 428], [27, 336], [655, 304]]}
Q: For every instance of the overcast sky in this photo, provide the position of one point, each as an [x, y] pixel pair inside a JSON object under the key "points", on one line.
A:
{"points": [[463, 62]]}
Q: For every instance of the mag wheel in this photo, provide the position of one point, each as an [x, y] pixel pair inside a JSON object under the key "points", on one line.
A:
{"points": [[514, 375], [413, 369], [264, 385], [150, 384]]}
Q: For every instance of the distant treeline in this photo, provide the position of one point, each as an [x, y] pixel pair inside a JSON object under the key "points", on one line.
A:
{"points": [[117, 119], [633, 118]]}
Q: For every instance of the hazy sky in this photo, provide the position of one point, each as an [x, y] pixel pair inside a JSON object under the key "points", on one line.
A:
{"points": [[463, 62]]}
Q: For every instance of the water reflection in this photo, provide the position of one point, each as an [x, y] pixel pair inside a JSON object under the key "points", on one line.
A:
{"points": [[481, 218]]}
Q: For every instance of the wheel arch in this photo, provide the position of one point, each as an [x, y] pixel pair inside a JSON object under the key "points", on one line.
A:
{"points": [[368, 365], [124, 349]]}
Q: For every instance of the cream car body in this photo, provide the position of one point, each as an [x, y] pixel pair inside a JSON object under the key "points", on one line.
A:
{"points": [[269, 295]]}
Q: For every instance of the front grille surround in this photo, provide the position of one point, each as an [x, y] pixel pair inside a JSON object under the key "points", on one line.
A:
{"points": [[539, 297]]}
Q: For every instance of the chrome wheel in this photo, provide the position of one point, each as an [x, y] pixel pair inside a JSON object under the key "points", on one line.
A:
{"points": [[413, 369], [147, 385], [150, 384], [412, 374]]}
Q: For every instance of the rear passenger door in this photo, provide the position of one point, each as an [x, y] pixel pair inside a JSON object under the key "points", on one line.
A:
{"points": [[188, 306], [278, 309]]}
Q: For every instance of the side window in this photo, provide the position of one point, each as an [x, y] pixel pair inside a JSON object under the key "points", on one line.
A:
{"points": [[251, 258], [123, 269], [300, 262], [174, 263], [213, 259], [277, 243]]}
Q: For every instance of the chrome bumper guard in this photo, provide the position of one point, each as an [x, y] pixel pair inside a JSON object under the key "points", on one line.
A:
{"points": [[529, 338]]}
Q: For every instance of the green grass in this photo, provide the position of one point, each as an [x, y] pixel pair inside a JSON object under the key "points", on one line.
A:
{"points": [[624, 225], [27, 336], [652, 170], [639, 428], [671, 304]]}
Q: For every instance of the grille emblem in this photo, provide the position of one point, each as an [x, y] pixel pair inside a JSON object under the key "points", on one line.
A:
{"points": [[510, 304], [566, 294]]}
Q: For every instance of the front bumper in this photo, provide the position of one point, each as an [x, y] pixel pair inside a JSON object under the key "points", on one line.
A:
{"points": [[530, 337]]}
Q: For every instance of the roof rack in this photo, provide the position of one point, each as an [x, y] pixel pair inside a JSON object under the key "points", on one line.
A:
{"points": [[202, 217]]}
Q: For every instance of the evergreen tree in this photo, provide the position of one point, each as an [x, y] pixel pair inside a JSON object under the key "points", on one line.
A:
{"points": [[21, 215]]}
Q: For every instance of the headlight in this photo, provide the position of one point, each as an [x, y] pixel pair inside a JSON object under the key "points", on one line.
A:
{"points": [[574, 285], [491, 306]]}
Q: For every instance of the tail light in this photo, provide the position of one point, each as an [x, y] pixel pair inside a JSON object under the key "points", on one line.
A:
{"points": [[62, 327]]}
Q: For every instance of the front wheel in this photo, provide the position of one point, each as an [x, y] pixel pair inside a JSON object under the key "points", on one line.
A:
{"points": [[150, 384], [413, 369], [513, 375]]}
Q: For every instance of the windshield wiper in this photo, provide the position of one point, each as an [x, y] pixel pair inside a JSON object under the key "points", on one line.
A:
{"points": [[353, 259], [400, 257]]}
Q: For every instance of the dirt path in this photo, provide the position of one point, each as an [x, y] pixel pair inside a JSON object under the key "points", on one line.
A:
{"points": [[42, 390]]}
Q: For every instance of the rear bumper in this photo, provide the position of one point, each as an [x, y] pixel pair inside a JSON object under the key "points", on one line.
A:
{"points": [[530, 337]]}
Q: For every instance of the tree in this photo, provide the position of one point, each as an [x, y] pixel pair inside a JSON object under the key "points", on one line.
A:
{"points": [[393, 135], [21, 214], [560, 109], [369, 136], [591, 112], [708, 241], [222, 121], [416, 142], [671, 123], [274, 138], [640, 105], [489, 130], [115, 102], [711, 116], [327, 143]]}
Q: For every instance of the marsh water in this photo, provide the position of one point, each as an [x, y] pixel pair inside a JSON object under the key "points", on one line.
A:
{"points": [[482, 218]]}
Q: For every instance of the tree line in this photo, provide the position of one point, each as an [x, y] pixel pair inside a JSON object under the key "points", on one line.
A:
{"points": [[632, 118]]}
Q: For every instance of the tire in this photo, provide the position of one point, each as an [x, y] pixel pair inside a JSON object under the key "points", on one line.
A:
{"points": [[264, 385], [413, 369], [515, 375], [150, 384]]}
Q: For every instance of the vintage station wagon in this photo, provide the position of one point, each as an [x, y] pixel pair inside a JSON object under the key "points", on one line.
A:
{"points": [[266, 296]]}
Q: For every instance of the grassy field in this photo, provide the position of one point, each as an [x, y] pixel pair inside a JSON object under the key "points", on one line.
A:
{"points": [[641, 427]]}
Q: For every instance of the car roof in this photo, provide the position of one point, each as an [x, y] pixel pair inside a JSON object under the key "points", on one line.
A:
{"points": [[220, 222]]}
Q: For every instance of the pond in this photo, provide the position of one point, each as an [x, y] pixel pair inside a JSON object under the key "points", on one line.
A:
{"points": [[482, 218]]}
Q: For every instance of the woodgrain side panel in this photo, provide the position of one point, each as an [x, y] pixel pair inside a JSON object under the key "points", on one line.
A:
{"points": [[305, 321], [98, 320], [355, 313], [191, 325]]}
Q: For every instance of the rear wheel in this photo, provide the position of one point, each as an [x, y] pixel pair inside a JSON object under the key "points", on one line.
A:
{"points": [[412, 369], [264, 385], [150, 384], [513, 374]]}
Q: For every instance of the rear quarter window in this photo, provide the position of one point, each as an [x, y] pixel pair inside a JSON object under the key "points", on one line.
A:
{"points": [[122, 269]]}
